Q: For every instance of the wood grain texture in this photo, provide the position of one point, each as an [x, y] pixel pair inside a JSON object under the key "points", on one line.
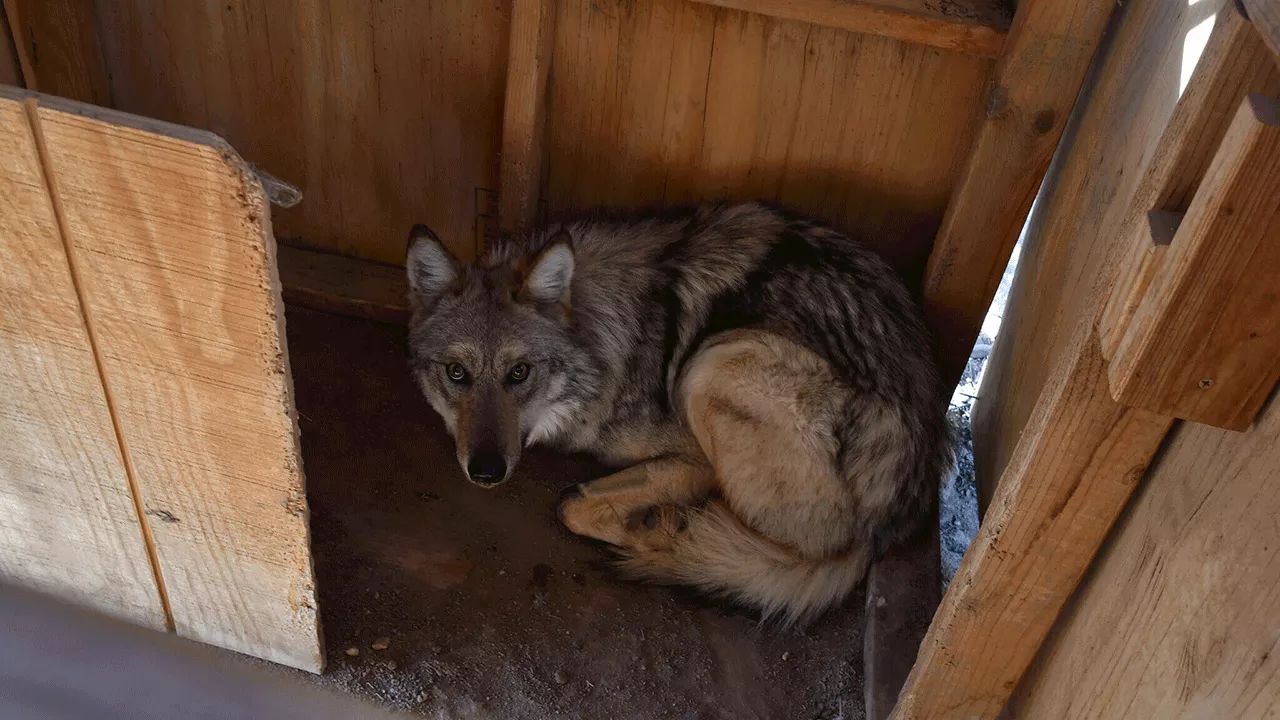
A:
{"points": [[1204, 343], [59, 50], [1031, 93], [68, 524], [972, 27], [672, 102], [524, 116], [1077, 463], [341, 285], [1178, 616], [383, 114], [10, 65], [1265, 16], [172, 238], [1138, 268], [1115, 168]]}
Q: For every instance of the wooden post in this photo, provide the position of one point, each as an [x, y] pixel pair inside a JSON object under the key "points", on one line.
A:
{"points": [[524, 114], [58, 48], [1033, 89]]}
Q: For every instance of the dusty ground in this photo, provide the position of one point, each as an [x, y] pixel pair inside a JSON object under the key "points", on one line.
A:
{"points": [[490, 607]]}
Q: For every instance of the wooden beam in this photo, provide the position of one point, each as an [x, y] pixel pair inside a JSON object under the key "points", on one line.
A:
{"points": [[903, 589], [1177, 617], [58, 48], [171, 235], [1074, 468], [1076, 459], [524, 115], [344, 286], [972, 27], [1139, 145], [1033, 89], [1203, 344], [68, 523], [1265, 16], [1144, 259]]}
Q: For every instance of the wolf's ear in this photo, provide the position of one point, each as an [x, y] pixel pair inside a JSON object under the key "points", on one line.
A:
{"points": [[550, 272], [431, 267]]}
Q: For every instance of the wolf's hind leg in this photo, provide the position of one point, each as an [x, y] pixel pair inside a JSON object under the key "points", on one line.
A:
{"points": [[616, 507]]}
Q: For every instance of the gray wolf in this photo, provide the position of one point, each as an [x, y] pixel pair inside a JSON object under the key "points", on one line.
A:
{"points": [[763, 381]]}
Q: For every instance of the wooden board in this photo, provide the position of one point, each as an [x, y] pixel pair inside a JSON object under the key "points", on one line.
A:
{"points": [[1204, 343], [57, 44], [1076, 464], [337, 284], [1099, 195], [668, 101], [172, 238], [524, 117], [1179, 615], [973, 27], [68, 524], [383, 114], [1032, 91]]}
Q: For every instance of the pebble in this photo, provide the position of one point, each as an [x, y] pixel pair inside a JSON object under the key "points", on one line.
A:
{"points": [[561, 677], [353, 651], [786, 655], [381, 643], [390, 665]]}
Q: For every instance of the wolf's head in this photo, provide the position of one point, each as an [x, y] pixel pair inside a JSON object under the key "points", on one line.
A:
{"points": [[489, 347]]}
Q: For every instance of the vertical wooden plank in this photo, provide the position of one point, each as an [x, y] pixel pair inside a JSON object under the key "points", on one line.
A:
{"points": [[1204, 342], [172, 236], [1032, 90], [68, 524], [1180, 614], [1077, 462], [58, 44], [525, 111]]}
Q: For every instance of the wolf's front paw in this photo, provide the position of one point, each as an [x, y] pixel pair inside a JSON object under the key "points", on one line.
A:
{"points": [[593, 517]]}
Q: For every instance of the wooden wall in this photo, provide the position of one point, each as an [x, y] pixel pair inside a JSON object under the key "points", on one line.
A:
{"points": [[389, 113], [672, 101]]}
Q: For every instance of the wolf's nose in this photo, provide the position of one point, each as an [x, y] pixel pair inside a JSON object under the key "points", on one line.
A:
{"points": [[487, 469]]}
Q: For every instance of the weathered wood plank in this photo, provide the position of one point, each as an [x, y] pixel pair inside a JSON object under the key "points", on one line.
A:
{"points": [[1031, 93], [1077, 462], [524, 116], [172, 236], [58, 48], [1178, 616], [68, 523], [972, 27], [1137, 270], [1204, 342]]}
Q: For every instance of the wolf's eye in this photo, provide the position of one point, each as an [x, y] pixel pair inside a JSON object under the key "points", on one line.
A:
{"points": [[518, 373], [456, 372]]}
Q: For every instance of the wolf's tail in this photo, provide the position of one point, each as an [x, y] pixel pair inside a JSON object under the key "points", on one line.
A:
{"points": [[718, 554]]}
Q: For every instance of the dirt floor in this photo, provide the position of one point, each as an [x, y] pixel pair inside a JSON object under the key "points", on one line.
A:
{"points": [[487, 606]]}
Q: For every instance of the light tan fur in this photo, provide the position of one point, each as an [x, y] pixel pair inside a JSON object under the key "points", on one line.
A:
{"points": [[762, 515]]}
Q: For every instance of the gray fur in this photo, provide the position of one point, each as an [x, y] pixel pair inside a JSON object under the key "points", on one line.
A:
{"points": [[644, 296]]}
